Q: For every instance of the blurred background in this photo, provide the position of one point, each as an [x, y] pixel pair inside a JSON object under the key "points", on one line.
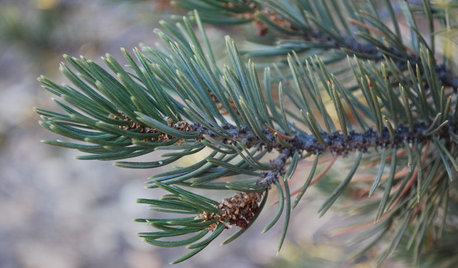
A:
{"points": [[56, 211]]}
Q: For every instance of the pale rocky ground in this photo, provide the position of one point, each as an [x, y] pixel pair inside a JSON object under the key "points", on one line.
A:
{"points": [[56, 211]]}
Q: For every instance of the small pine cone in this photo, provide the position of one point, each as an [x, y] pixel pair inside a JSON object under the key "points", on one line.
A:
{"points": [[237, 210]]}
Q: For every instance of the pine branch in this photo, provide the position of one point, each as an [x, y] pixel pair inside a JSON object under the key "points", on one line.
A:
{"points": [[327, 25], [179, 100]]}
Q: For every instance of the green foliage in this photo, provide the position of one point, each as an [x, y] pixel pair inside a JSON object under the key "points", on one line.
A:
{"points": [[391, 102]]}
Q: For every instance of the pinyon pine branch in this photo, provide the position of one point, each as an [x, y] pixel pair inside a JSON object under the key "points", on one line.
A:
{"points": [[398, 111], [340, 26]]}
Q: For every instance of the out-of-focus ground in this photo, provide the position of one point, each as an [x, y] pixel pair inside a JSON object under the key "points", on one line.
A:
{"points": [[56, 211]]}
